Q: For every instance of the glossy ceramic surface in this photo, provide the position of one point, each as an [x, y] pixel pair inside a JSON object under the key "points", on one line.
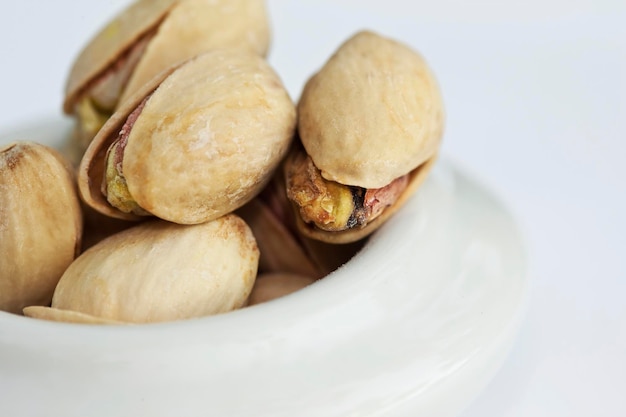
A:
{"points": [[418, 322]]}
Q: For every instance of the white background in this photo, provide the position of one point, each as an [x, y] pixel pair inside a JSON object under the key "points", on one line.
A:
{"points": [[536, 107]]}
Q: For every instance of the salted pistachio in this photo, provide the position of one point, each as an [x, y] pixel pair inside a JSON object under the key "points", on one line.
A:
{"points": [[40, 223], [274, 285], [195, 143], [370, 122], [160, 271], [146, 38]]}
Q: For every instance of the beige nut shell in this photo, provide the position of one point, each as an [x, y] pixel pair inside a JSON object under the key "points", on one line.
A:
{"points": [[111, 42], [207, 140], [196, 26], [353, 236], [373, 112], [161, 271], [40, 224], [182, 29]]}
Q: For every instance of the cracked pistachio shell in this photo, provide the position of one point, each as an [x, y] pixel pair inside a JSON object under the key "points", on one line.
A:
{"points": [[40, 223], [160, 271], [317, 238], [372, 113], [179, 29], [208, 139]]}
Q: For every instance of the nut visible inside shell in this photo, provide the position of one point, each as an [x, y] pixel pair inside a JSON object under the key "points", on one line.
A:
{"points": [[351, 235], [332, 206], [370, 122], [372, 113], [205, 142], [146, 38]]}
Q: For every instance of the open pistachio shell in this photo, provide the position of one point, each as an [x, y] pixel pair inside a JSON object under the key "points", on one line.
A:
{"points": [[416, 178], [208, 139], [40, 223], [161, 271], [146, 38], [195, 26], [372, 114], [180, 29]]}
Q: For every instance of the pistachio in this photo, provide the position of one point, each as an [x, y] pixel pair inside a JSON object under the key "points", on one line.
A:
{"points": [[271, 286], [199, 141], [370, 122], [146, 38], [159, 271], [40, 224]]}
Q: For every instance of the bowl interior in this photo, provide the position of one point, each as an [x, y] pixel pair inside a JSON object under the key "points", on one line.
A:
{"points": [[418, 321]]}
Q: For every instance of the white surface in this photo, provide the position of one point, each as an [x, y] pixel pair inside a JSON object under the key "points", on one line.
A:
{"points": [[416, 324], [536, 98]]}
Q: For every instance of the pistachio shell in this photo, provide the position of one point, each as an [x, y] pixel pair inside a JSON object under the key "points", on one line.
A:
{"points": [[66, 316], [111, 42], [372, 113], [271, 286], [206, 142], [416, 178], [181, 28], [40, 224], [92, 165], [161, 271], [195, 26]]}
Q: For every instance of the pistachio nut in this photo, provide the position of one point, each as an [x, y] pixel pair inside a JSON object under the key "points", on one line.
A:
{"points": [[197, 142], [159, 271], [40, 223], [274, 285], [370, 122], [146, 38]]}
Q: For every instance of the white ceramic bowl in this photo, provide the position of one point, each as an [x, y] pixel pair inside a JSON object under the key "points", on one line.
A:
{"points": [[416, 324]]}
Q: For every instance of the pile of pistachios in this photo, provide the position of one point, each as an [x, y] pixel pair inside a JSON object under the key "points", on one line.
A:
{"points": [[192, 184]]}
